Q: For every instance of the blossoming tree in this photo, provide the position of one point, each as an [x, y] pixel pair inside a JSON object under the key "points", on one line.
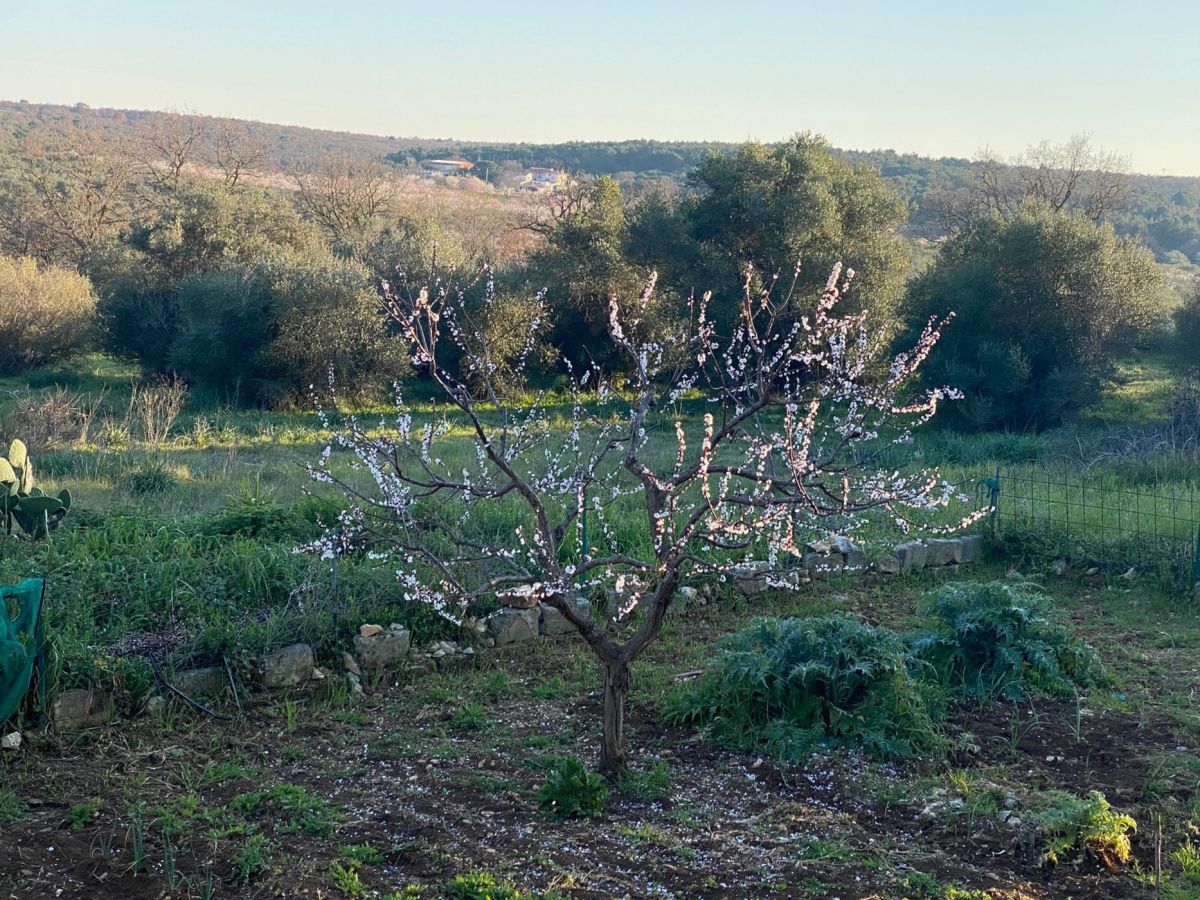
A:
{"points": [[797, 404]]}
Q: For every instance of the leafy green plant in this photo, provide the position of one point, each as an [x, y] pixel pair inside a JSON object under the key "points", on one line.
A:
{"points": [[650, 785], [363, 853], [480, 886], [788, 685], [1087, 824], [570, 791], [12, 807], [994, 639], [345, 878], [82, 813], [251, 859]]}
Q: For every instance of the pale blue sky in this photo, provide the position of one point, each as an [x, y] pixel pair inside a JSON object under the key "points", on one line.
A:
{"points": [[930, 76]]}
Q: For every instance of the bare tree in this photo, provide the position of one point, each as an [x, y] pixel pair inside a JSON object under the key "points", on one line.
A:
{"points": [[167, 146], [236, 152], [345, 196], [79, 188], [1069, 177], [546, 210], [802, 417]]}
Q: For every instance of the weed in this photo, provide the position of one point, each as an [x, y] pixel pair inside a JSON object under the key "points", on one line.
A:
{"points": [[480, 886], [302, 812], [345, 878], [469, 717], [251, 859], [651, 786], [363, 853], [570, 790], [1088, 824], [12, 807], [82, 813]]}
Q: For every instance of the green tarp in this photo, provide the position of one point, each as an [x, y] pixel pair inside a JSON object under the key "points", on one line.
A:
{"points": [[21, 640]]}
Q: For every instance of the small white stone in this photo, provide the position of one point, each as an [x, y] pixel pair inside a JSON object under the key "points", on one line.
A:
{"points": [[10, 741]]}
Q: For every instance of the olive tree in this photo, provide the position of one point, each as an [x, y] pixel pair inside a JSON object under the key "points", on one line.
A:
{"points": [[539, 500]]}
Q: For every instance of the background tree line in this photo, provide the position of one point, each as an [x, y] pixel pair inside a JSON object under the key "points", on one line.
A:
{"points": [[183, 243]]}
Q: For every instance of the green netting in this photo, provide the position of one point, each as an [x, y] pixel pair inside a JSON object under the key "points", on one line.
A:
{"points": [[20, 640]]}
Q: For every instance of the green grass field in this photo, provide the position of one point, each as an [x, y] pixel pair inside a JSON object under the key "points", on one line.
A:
{"points": [[199, 532]]}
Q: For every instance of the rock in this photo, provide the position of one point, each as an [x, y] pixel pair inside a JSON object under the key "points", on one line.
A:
{"points": [[844, 545], [817, 564], [512, 626], [1013, 821], [351, 665], [552, 622], [527, 596], [857, 561], [368, 631], [821, 545], [943, 552], [11, 741], [80, 708], [1010, 802], [912, 556], [288, 667], [384, 650], [887, 565], [1059, 567], [156, 704], [1129, 574], [684, 598], [972, 548], [204, 682]]}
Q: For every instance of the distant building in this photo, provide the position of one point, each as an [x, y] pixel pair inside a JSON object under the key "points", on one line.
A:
{"points": [[539, 178], [431, 167]]}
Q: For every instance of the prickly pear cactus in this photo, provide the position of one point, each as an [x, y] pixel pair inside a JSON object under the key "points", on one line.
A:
{"points": [[21, 502]]}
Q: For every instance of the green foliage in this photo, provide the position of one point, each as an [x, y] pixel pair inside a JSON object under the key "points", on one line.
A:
{"points": [[151, 477], [1187, 327], [571, 791], [994, 640], [81, 814], [795, 203], [1086, 824], [12, 807], [1044, 302], [268, 330], [787, 686], [480, 886], [299, 811], [251, 859], [652, 785], [46, 314]]}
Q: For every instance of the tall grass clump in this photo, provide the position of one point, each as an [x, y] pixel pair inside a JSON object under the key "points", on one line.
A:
{"points": [[789, 686], [995, 640]]}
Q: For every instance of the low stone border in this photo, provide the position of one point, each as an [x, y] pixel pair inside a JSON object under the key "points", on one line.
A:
{"points": [[522, 618]]}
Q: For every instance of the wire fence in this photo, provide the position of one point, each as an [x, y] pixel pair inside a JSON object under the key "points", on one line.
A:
{"points": [[1118, 527]]}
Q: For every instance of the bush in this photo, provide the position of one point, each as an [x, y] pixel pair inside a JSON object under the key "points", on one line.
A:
{"points": [[1088, 824], [45, 315], [1187, 326], [1045, 301], [266, 331], [572, 791], [789, 685], [994, 640]]}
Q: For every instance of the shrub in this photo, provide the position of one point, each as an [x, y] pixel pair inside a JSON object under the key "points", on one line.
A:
{"points": [[1187, 325], [150, 478], [1045, 301], [1088, 824], [45, 315], [268, 330], [994, 639], [572, 791], [789, 685]]}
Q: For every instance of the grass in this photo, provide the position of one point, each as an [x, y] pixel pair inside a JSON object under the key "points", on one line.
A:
{"points": [[320, 791]]}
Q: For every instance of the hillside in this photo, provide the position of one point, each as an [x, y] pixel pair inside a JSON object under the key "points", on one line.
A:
{"points": [[1163, 211]]}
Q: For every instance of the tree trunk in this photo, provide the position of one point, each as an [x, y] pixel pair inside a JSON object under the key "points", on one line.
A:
{"points": [[616, 689]]}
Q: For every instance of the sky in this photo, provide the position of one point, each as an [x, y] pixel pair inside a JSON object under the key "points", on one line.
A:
{"points": [[925, 76]]}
